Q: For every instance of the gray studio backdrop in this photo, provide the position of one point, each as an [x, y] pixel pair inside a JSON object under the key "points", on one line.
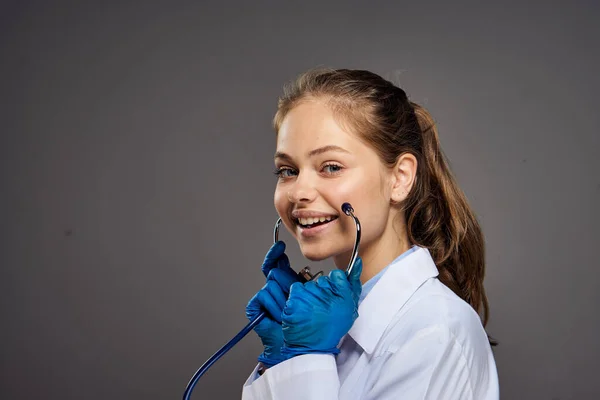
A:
{"points": [[136, 186]]}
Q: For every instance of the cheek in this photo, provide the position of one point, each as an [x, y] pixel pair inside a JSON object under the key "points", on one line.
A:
{"points": [[282, 204], [366, 197], [363, 194]]}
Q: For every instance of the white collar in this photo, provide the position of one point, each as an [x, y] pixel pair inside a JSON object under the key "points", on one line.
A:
{"points": [[389, 295]]}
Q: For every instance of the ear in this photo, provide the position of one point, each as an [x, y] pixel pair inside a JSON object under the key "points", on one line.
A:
{"points": [[404, 175]]}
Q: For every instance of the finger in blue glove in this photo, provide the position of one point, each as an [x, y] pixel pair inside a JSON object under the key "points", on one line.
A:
{"points": [[276, 258], [269, 299]]}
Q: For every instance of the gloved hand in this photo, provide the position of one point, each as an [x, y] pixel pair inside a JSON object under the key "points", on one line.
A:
{"points": [[271, 298], [318, 313]]}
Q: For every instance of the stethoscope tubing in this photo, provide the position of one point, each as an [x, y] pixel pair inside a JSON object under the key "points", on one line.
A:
{"points": [[220, 353]]}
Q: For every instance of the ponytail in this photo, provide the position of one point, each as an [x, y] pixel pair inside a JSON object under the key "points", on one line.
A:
{"points": [[439, 218]]}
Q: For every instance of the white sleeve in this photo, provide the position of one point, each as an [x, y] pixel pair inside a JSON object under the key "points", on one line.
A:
{"points": [[304, 377], [431, 366]]}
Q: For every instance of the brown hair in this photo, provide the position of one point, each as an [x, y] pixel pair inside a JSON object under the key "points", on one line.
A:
{"points": [[437, 212]]}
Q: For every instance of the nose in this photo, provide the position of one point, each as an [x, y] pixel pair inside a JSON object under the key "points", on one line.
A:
{"points": [[302, 190]]}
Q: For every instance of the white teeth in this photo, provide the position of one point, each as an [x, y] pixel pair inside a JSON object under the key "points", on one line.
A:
{"points": [[313, 220]]}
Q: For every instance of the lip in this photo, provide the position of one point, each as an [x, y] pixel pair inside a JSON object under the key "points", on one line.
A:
{"points": [[317, 230]]}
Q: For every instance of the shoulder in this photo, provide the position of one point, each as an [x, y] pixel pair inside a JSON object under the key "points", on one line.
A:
{"points": [[438, 335], [436, 316]]}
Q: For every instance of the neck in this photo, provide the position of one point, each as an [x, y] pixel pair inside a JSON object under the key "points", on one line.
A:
{"points": [[379, 253]]}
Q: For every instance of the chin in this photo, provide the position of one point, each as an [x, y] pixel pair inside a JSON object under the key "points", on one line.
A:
{"points": [[316, 256], [316, 253]]}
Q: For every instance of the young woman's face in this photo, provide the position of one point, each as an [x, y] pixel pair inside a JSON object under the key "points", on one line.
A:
{"points": [[321, 166]]}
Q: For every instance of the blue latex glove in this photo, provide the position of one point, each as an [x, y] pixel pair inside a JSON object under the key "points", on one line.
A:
{"points": [[272, 298], [318, 313]]}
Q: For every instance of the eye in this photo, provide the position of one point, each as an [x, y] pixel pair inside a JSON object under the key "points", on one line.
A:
{"points": [[332, 169], [284, 172]]}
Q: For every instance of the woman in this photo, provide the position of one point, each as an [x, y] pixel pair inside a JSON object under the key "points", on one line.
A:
{"points": [[407, 322]]}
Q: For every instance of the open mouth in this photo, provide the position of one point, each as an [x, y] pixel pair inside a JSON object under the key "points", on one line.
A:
{"points": [[312, 222]]}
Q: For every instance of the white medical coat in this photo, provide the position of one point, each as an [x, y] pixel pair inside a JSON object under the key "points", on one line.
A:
{"points": [[414, 339]]}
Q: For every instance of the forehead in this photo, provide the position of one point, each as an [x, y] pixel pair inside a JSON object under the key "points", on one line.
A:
{"points": [[312, 124]]}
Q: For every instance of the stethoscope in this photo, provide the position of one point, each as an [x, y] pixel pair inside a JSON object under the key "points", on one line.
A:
{"points": [[305, 275]]}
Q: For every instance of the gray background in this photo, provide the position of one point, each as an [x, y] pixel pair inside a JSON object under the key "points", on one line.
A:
{"points": [[136, 186]]}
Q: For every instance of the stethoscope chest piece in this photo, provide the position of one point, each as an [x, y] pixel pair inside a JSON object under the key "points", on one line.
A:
{"points": [[306, 275]]}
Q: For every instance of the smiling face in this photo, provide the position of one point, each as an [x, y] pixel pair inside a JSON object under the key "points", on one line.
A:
{"points": [[321, 165]]}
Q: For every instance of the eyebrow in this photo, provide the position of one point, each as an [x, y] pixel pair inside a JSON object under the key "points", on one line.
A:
{"points": [[314, 152]]}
